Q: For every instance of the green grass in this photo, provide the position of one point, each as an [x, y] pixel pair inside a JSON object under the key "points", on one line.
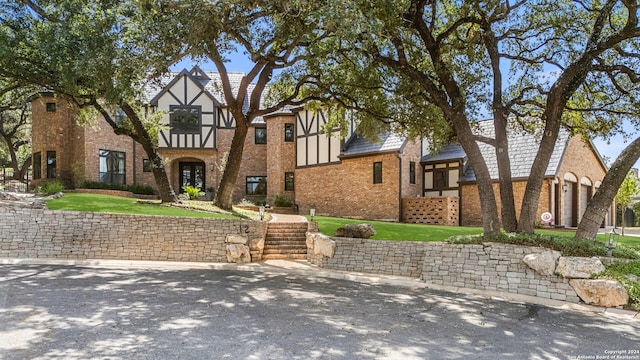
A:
{"points": [[397, 231], [121, 205], [417, 232]]}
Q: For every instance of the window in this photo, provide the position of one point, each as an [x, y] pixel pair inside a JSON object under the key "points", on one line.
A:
{"points": [[185, 119], [112, 167], [412, 172], [37, 165], [377, 172], [288, 181], [51, 164], [261, 135], [440, 179], [288, 132], [256, 185], [51, 107], [146, 165]]}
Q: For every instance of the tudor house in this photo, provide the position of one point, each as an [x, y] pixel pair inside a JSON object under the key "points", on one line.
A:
{"points": [[289, 154], [286, 153]]}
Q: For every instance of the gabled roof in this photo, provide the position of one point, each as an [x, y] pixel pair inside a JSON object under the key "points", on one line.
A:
{"points": [[359, 146], [210, 82], [522, 152]]}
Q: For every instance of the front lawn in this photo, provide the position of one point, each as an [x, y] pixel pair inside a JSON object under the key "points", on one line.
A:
{"points": [[418, 232], [397, 231], [122, 205]]}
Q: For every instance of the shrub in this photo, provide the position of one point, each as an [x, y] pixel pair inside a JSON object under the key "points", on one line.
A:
{"points": [[141, 189], [51, 187], [282, 201], [566, 245], [245, 202], [622, 272], [136, 189], [192, 191]]}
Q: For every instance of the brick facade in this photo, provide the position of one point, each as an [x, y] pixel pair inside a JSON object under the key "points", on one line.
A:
{"points": [[440, 210], [281, 157]]}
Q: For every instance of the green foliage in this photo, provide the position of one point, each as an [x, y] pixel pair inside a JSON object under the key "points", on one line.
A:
{"points": [[50, 187], [136, 189], [192, 191], [282, 201], [621, 272], [567, 245], [627, 191]]}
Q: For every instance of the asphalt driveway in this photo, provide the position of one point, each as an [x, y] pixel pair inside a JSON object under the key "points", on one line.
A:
{"points": [[75, 312]]}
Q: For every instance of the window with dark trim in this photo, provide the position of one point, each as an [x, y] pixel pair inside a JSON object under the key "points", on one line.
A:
{"points": [[261, 135], [377, 172], [412, 172], [289, 181], [51, 164], [288, 132], [50, 107], [37, 165], [112, 167], [440, 179], [146, 165], [256, 185], [185, 119]]}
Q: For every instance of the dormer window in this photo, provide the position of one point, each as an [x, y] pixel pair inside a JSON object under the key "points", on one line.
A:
{"points": [[185, 119]]}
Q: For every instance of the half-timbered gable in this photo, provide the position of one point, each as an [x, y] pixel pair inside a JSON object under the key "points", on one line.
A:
{"points": [[190, 112], [313, 145]]}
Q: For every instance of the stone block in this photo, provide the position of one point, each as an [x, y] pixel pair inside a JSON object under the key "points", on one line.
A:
{"points": [[236, 239], [579, 267], [543, 263], [238, 253], [600, 292]]}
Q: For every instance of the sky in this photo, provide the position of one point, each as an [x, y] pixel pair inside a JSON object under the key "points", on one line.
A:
{"points": [[240, 63]]}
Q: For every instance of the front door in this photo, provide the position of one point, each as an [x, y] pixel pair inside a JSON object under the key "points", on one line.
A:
{"points": [[192, 174]]}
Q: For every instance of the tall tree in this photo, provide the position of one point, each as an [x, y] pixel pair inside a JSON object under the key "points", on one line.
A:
{"points": [[87, 52], [273, 35], [454, 56], [599, 205], [15, 122]]}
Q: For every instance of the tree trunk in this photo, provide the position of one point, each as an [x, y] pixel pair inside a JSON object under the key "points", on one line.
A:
{"points": [[224, 198], [490, 223], [533, 189], [159, 172], [507, 202], [600, 203]]}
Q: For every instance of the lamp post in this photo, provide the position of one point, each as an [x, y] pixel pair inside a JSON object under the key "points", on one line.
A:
{"points": [[611, 244], [312, 211], [261, 212]]}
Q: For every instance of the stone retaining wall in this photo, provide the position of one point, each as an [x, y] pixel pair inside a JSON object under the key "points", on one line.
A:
{"points": [[38, 233], [491, 266]]}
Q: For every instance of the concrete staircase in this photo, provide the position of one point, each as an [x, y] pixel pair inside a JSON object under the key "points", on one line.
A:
{"points": [[285, 240]]}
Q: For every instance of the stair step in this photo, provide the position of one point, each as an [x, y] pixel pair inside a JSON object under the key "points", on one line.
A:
{"points": [[285, 242], [284, 257], [288, 251], [286, 238]]}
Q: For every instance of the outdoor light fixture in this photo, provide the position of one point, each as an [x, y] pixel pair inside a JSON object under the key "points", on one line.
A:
{"points": [[312, 211], [611, 244], [261, 212], [565, 187]]}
